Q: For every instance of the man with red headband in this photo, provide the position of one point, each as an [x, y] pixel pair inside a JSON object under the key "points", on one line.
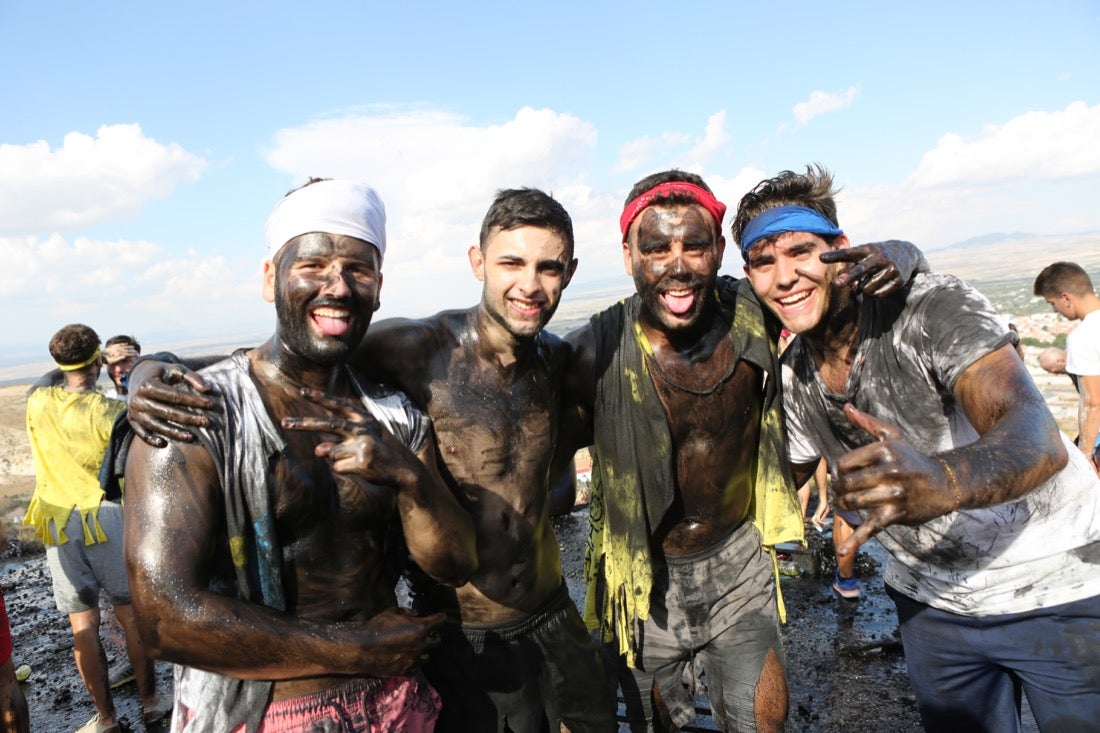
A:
{"points": [[690, 479]]}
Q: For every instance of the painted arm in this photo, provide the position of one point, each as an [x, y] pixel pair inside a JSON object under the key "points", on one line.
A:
{"points": [[1020, 447], [438, 531], [173, 512], [1088, 412]]}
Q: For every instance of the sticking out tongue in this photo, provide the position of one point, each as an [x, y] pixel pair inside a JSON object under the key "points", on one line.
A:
{"points": [[331, 326], [678, 304]]}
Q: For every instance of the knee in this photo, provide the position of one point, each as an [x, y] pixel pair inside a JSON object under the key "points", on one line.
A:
{"points": [[770, 698]]}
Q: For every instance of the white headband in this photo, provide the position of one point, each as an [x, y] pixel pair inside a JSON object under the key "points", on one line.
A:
{"points": [[335, 207]]}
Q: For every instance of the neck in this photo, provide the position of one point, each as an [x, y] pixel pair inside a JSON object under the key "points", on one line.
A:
{"points": [[1089, 304], [274, 361], [82, 380], [493, 343], [835, 340]]}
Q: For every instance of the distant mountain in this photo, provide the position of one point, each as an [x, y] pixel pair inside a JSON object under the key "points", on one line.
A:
{"points": [[1016, 256]]}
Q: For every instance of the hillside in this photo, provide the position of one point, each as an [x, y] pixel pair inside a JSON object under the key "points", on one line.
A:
{"points": [[1004, 267]]}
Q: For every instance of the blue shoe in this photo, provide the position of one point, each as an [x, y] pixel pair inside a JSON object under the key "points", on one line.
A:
{"points": [[847, 588]]}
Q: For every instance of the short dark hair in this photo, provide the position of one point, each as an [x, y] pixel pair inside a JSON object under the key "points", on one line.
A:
{"points": [[672, 175], [123, 339], [526, 207], [1063, 277], [813, 189], [74, 344]]}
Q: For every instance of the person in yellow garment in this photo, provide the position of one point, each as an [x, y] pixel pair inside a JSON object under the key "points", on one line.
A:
{"points": [[81, 526]]}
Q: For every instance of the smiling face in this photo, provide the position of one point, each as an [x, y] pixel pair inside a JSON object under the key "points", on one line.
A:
{"points": [[791, 281], [524, 271], [325, 288], [673, 253]]}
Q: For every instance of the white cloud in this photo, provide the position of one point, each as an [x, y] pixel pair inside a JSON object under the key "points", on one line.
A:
{"points": [[1034, 145], [437, 173], [666, 147], [637, 153], [821, 103], [87, 180], [714, 139], [121, 286]]}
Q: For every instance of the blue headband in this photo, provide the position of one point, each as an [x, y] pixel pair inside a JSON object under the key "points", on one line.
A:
{"points": [[785, 219]]}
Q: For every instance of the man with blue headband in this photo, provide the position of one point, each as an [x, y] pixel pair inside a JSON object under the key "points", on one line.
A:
{"points": [[944, 445]]}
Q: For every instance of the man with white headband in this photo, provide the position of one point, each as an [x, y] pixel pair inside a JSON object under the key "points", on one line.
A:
{"points": [[258, 555], [690, 482], [515, 654], [944, 445]]}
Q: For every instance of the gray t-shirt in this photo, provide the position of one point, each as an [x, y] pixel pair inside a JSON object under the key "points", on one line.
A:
{"points": [[1035, 552]]}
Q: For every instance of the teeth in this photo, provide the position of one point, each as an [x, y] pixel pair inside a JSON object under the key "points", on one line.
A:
{"points": [[678, 293], [793, 299], [331, 313]]}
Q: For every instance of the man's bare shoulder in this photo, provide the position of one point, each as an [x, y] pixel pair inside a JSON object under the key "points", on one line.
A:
{"points": [[418, 335]]}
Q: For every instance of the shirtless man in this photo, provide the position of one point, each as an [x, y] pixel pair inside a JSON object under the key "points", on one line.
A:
{"points": [[490, 379], [678, 387], [257, 554]]}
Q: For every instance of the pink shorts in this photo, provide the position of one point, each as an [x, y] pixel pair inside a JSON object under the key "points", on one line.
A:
{"points": [[406, 704]]}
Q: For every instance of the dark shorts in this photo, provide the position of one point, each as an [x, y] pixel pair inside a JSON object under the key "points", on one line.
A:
{"points": [[528, 676], [716, 611], [968, 672]]}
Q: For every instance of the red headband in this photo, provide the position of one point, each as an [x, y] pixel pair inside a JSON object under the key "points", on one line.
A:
{"points": [[699, 195]]}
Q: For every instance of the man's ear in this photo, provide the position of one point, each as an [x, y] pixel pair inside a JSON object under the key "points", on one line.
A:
{"points": [[269, 281], [569, 270], [841, 241], [628, 263], [721, 243], [477, 261]]}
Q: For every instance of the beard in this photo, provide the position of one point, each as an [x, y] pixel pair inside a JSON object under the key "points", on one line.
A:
{"points": [[295, 333]]}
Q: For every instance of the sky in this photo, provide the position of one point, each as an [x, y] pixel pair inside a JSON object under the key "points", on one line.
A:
{"points": [[143, 144]]}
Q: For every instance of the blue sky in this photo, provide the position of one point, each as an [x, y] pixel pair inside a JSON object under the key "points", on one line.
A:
{"points": [[143, 145]]}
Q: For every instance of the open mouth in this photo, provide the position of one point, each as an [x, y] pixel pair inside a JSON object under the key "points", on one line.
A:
{"points": [[331, 321], [525, 308], [794, 299], [680, 301]]}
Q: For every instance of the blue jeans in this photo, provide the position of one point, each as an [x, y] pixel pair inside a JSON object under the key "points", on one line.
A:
{"points": [[968, 672]]}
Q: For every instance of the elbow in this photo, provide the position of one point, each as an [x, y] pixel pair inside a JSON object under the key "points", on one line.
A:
{"points": [[1056, 456], [458, 565], [457, 570]]}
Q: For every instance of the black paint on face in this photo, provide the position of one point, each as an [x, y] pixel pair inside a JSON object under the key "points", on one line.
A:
{"points": [[675, 254], [326, 292]]}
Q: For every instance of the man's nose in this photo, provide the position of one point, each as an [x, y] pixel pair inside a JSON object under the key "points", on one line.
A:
{"points": [[336, 282]]}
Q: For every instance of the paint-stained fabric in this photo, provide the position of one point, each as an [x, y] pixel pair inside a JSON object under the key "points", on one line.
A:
{"points": [[1039, 551], [68, 434], [243, 441], [632, 473]]}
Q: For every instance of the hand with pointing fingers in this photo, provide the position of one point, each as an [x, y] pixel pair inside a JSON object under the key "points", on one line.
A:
{"points": [[890, 480], [877, 268], [362, 445]]}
